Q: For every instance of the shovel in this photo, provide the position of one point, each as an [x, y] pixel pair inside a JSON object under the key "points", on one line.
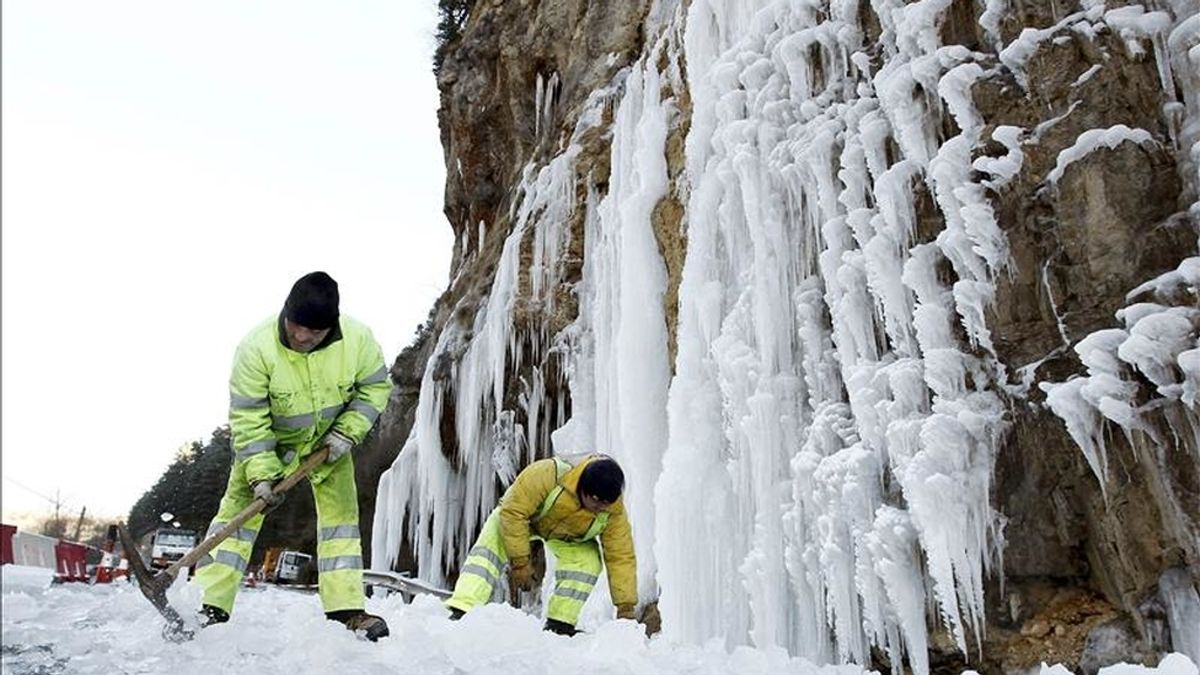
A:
{"points": [[154, 586]]}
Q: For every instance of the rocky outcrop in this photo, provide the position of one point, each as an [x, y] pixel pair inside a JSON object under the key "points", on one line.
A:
{"points": [[1085, 219], [1114, 220], [512, 86]]}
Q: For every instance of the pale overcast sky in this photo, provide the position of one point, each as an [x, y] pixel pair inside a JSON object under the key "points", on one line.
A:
{"points": [[169, 169]]}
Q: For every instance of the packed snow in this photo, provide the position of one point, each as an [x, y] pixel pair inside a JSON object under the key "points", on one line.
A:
{"points": [[26, 578], [104, 629]]}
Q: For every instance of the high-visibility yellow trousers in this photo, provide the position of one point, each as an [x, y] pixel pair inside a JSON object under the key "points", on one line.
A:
{"points": [[339, 543], [577, 569]]}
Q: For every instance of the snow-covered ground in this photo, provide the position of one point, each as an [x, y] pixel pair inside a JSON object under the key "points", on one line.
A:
{"points": [[110, 629]]}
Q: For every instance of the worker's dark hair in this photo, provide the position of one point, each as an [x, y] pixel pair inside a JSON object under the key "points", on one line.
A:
{"points": [[602, 479]]}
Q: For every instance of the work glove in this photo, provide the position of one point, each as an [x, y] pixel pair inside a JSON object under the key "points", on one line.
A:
{"points": [[262, 490], [338, 445], [520, 574], [627, 612]]}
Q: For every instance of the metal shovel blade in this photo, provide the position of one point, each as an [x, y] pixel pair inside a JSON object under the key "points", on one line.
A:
{"points": [[154, 587]]}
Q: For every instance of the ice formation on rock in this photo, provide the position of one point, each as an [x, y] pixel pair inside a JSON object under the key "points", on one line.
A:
{"points": [[816, 473]]}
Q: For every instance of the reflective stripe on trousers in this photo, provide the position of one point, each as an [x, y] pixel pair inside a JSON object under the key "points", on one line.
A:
{"points": [[578, 570], [479, 579], [339, 545], [220, 573]]}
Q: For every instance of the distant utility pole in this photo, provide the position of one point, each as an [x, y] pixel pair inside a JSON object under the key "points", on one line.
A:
{"points": [[57, 505], [79, 524], [56, 524], [60, 527]]}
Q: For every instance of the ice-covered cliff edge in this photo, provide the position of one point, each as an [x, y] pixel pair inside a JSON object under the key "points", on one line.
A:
{"points": [[874, 300]]}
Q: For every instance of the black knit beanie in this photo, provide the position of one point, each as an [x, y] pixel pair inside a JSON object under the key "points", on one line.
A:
{"points": [[313, 302]]}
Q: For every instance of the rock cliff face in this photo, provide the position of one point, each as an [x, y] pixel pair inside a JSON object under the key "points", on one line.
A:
{"points": [[954, 240]]}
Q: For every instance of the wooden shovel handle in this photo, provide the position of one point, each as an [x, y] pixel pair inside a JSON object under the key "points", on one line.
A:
{"points": [[313, 461]]}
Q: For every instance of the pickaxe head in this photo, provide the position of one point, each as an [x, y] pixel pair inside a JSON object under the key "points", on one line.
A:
{"points": [[154, 587]]}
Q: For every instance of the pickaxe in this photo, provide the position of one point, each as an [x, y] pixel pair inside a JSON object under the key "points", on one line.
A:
{"points": [[154, 586]]}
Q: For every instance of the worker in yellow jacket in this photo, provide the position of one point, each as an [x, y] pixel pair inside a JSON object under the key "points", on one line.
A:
{"points": [[304, 379], [579, 514]]}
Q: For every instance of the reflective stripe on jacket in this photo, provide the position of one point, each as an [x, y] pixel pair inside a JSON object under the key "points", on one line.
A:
{"points": [[567, 520], [283, 401]]}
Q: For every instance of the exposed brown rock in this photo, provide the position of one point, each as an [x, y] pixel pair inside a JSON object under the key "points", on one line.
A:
{"points": [[667, 217], [1057, 633]]}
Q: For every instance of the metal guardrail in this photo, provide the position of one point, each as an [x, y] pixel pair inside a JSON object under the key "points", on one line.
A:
{"points": [[403, 584]]}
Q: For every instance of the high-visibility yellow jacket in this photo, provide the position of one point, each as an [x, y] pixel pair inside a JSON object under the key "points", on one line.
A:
{"points": [[567, 520], [281, 402]]}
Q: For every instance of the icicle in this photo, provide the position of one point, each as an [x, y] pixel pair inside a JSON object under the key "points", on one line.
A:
{"points": [[538, 95], [993, 13], [1182, 601], [1155, 342], [624, 283], [1160, 341], [422, 486], [893, 545], [551, 100], [1092, 140], [1016, 53], [869, 318]]}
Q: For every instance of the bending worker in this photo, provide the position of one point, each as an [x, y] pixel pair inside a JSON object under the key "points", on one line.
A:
{"points": [[303, 379], [579, 513]]}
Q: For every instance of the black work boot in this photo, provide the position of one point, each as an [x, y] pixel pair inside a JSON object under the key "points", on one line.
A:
{"points": [[210, 615], [559, 627], [456, 614], [366, 625]]}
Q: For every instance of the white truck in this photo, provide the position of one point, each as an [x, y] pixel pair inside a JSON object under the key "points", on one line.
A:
{"points": [[291, 568], [170, 544]]}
